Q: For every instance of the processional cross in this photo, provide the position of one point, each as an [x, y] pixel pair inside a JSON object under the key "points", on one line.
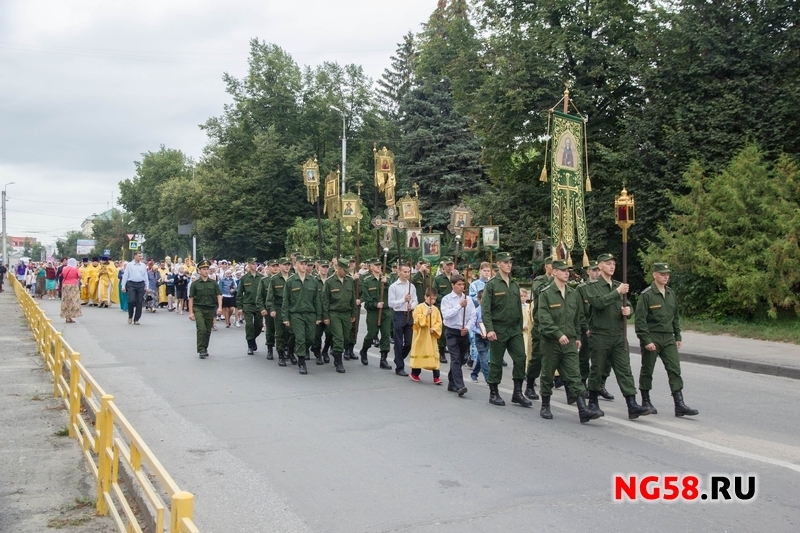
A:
{"points": [[388, 224]]}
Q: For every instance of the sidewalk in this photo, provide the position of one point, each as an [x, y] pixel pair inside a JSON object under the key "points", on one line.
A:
{"points": [[45, 481], [750, 355]]}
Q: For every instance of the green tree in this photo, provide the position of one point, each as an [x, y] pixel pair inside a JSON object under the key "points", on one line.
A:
{"points": [[733, 238], [68, 245], [111, 233]]}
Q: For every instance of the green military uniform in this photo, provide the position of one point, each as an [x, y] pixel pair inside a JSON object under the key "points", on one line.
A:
{"points": [[657, 322], [540, 283], [318, 348], [284, 336], [246, 301], [261, 304], [443, 287], [583, 353], [421, 282], [339, 308], [302, 309], [204, 297], [372, 292]]}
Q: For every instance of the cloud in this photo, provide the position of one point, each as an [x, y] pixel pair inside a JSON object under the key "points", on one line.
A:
{"points": [[88, 86]]}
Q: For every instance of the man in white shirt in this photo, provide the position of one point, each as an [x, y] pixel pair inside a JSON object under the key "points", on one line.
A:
{"points": [[402, 300], [458, 315], [133, 282]]}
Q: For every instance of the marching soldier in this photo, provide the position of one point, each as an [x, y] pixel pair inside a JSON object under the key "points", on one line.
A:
{"points": [[443, 287], [540, 283], [302, 310], [560, 315], [422, 279], [261, 305], [323, 268], [284, 337], [659, 331], [246, 296], [502, 318], [375, 296], [593, 272], [607, 344], [339, 310], [205, 298]]}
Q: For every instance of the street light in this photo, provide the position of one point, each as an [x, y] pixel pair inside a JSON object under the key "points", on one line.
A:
{"points": [[5, 245], [344, 146]]}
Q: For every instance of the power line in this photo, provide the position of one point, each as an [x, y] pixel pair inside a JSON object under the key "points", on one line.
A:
{"points": [[58, 203], [45, 214]]}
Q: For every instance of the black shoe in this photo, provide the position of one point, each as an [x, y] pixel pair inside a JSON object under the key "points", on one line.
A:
{"points": [[681, 408], [646, 402], [544, 410], [494, 395], [451, 388], [292, 357], [364, 358], [530, 390], [570, 397], [249, 351], [584, 412], [462, 391], [558, 382], [442, 358], [384, 363], [593, 405], [337, 363], [281, 358], [301, 364], [470, 362], [202, 355], [634, 409], [376, 342], [517, 397], [325, 357], [604, 394], [270, 355], [319, 360], [401, 372]]}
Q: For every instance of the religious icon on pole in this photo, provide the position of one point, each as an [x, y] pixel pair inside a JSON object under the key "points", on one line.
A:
{"points": [[471, 239], [388, 225], [409, 210], [491, 237], [460, 218], [412, 238], [311, 179], [431, 246], [332, 195], [385, 179], [350, 210]]}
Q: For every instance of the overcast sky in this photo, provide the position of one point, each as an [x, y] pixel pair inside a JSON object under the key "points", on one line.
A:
{"points": [[88, 86]]}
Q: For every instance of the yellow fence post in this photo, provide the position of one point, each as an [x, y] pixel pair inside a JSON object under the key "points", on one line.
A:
{"points": [[57, 363], [74, 393], [182, 503], [46, 338], [104, 426]]}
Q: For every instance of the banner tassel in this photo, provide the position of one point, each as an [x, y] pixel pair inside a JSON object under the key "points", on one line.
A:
{"points": [[588, 183], [543, 175], [585, 259]]}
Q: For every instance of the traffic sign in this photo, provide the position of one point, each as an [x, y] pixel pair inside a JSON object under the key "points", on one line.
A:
{"points": [[133, 245], [130, 236]]}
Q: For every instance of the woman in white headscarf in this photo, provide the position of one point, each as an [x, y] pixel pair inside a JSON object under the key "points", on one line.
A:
{"points": [[70, 291]]}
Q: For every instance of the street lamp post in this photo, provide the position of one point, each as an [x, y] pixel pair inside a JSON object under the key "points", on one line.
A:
{"points": [[344, 171], [624, 217], [5, 238]]}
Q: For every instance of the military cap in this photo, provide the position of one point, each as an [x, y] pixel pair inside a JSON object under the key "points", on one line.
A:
{"points": [[324, 263], [374, 261], [343, 262], [252, 260], [548, 260], [661, 268], [284, 261], [203, 264], [350, 259], [273, 262], [592, 265], [504, 256], [447, 260], [301, 259], [606, 257], [558, 264]]}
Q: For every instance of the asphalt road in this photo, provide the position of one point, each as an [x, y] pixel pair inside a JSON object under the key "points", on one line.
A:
{"points": [[265, 449]]}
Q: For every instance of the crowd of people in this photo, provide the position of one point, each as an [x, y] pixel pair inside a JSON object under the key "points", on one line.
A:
{"points": [[564, 331]]}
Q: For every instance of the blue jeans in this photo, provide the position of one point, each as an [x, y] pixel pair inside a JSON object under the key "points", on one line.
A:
{"points": [[473, 352], [482, 362]]}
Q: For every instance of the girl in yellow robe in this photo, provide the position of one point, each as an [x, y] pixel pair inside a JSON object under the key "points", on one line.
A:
{"points": [[427, 330], [107, 287]]}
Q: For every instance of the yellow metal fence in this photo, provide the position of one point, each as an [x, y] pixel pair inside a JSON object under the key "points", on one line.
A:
{"points": [[112, 441]]}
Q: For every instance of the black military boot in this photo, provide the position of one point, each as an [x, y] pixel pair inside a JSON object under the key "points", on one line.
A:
{"points": [[337, 363], [351, 349], [290, 353], [584, 412], [517, 397], [585, 389], [364, 358], [301, 364], [593, 405], [646, 402], [570, 397], [281, 358], [270, 355], [634, 409], [557, 382], [544, 410], [681, 408], [442, 358], [494, 396], [249, 347], [384, 362], [319, 358], [604, 394], [530, 390], [325, 357]]}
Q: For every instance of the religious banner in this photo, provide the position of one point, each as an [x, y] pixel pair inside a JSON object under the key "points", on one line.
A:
{"points": [[460, 218], [471, 239], [491, 237], [431, 246], [409, 210], [311, 180], [385, 179], [332, 195], [412, 238], [567, 139], [350, 206]]}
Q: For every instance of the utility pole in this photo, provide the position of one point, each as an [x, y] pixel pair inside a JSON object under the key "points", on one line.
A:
{"points": [[5, 237], [344, 167]]}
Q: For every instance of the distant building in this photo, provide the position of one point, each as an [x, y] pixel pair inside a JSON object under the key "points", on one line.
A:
{"points": [[87, 226]]}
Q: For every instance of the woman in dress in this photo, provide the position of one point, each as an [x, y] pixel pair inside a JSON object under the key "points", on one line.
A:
{"points": [[70, 292], [50, 281], [181, 289], [151, 292], [41, 281]]}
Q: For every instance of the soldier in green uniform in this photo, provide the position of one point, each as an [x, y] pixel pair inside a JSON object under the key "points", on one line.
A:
{"points": [[375, 296], [443, 287], [302, 310], [560, 315], [349, 348], [540, 283], [593, 273], [246, 296], [318, 349], [659, 330], [502, 318], [422, 279], [607, 342], [205, 302], [339, 310], [284, 337], [261, 305]]}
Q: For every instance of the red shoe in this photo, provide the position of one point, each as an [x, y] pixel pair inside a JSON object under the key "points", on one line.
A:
{"points": [[437, 381], [414, 378]]}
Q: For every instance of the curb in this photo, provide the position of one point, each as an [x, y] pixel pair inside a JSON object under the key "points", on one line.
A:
{"points": [[756, 367]]}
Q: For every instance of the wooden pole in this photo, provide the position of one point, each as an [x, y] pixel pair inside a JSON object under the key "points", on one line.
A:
{"points": [[319, 227], [625, 280]]}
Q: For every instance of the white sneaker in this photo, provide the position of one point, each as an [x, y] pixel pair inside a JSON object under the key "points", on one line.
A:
{"points": [[236, 324]]}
